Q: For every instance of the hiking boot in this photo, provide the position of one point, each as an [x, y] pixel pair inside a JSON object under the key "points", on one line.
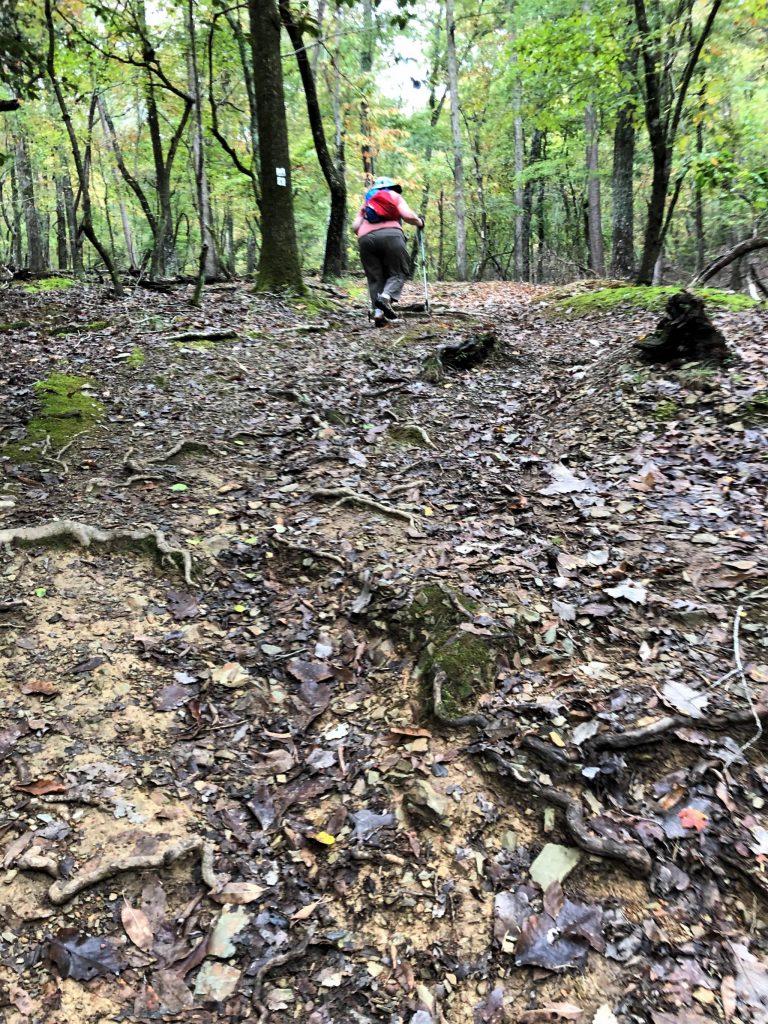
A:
{"points": [[385, 305]]}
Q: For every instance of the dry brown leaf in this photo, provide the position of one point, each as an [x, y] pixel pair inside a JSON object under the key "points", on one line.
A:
{"points": [[137, 926]]}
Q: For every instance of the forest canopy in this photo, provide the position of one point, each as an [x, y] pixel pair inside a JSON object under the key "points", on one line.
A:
{"points": [[541, 141]]}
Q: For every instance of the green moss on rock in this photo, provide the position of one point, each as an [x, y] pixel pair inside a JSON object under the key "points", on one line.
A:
{"points": [[637, 298], [64, 411]]}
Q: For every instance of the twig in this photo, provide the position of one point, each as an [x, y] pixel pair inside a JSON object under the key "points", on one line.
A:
{"points": [[744, 683], [225, 335]]}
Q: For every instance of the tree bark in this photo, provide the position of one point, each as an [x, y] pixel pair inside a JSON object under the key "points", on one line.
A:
{"points": [[35, 253], [279, 266], [211, 268], [333, 260], [594, 213], [458, 153], [16, 253], [698, 206], [662, 126], [623, 194], [726, 258], [81, 164], [527, 227]]}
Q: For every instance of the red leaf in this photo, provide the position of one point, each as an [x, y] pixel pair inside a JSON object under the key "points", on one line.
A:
{"points": [[691, 818]]}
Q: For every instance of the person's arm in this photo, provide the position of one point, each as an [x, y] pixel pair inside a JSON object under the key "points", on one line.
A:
{"points": [[407, 214], [358, 219]]}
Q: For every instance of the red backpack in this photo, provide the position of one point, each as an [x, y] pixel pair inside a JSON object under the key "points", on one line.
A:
{"points": [[380, 205]]}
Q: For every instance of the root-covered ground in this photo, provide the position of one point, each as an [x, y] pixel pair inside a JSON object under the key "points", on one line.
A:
{"points": [[338, 689]]}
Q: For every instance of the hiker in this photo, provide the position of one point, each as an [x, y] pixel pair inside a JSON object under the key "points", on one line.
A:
{"points": [[381, 241]]}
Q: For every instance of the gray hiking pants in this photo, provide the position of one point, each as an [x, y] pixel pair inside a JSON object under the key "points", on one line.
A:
{"points": [[385, 262]]}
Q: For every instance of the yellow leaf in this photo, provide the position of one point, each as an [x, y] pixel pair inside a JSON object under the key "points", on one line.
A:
{"points": [[428, 511], [323, 837], [557, 739]]}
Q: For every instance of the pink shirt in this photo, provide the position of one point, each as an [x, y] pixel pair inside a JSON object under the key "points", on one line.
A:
{"points": [[363, 227]]}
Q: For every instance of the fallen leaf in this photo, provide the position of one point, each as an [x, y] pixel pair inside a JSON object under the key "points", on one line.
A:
{"points": [[216, 981], [238, 893], [84, 957], [232, 675], [309, 671], [605, 1015], [565, 482], [629, 591], [691, 818], [758, 673], [40, 687], [305, 912], [137, 926], [324, 838], [43, 786], [684, 698]]}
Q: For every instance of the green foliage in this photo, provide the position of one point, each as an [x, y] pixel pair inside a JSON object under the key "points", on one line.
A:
{"points": [[48, 284]]}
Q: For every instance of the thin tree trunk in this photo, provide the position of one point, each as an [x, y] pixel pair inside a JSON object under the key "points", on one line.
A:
{"points": [[535, 157], [17, 255], [279, 266], [698, 206], [333, 260], [86, 225], [594, 213], [212, 269], [68, 194], [482, 211], [519, 193], [458, 153], [35, 254], [366, 67], [441, 237]]}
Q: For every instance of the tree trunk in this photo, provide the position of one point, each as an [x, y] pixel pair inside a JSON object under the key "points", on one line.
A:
{"points": [[16, 252], [482, 259], [211, 268], [333, 261], [527, 225], [458, 155], [623, 194], [68, 194], [81, 165], [698, 206], [366, 67], [722, 261], [441, 237], [279, 266], [35, 254], [594, 213]]}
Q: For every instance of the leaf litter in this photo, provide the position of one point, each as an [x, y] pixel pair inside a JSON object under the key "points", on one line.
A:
{"points": [[279, 703]]}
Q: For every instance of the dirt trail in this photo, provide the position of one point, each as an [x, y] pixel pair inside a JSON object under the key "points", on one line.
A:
{"points": [[559, 536]]}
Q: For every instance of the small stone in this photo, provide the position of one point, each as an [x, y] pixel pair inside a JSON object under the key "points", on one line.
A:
{"points": [[553, 864], [426, 803], [509, 841]]}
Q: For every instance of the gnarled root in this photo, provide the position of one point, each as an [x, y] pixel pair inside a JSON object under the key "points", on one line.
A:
{"points": [[85, 535], [62, 892]]}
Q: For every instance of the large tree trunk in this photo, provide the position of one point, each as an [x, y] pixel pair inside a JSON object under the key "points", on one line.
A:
{"points": [[279, 266], [594, 213], [458, 152], [35, 252], [333, 261], [210, 263], [16, 248]]}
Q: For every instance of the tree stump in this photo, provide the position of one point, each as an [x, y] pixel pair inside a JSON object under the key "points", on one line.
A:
{"points": [[685, 333]]}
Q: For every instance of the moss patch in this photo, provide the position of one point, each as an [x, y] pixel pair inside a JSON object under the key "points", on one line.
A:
{"points": [[665, 411], [632, 299], [48, 284], [15, 325], [137, 357], [97, 325], [64, 411], [198, 345], [432, 623]]}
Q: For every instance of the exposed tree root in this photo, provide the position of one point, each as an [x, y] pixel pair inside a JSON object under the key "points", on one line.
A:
{"points": [[637, 859], [262, 1013], [225, 335], [185, 445], [650, 733], [85, 535], [346, 496], [62, 892], [305, 549]]}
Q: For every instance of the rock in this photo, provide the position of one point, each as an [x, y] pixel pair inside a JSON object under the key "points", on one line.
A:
{"points": [[426, 804], [228, 926], [553, 864]]}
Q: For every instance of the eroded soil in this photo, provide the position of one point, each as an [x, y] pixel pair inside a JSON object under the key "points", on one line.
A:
{"points": [[596, 527]]}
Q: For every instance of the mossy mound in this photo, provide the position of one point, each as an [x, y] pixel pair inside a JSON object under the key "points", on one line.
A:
{"points": [[64, 411], [48, 284], [432, 622], [631, 298]]}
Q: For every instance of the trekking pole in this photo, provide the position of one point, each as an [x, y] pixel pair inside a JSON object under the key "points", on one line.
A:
{"points": [[424, 268]]}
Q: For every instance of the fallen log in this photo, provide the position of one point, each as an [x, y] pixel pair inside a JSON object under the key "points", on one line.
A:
{"points": [[748, 245]]}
